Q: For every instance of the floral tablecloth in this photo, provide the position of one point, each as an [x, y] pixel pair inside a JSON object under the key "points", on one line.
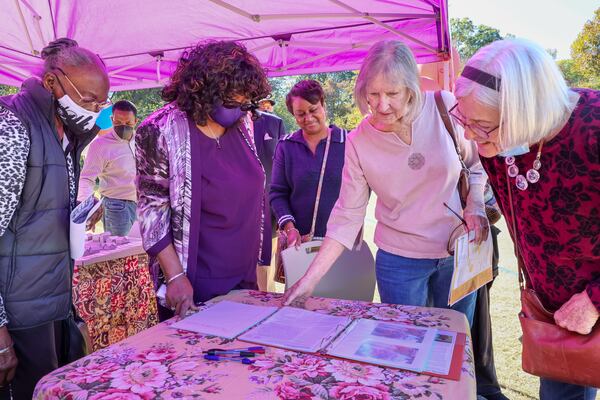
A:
{"points": [[115, 298], [165, 363]]}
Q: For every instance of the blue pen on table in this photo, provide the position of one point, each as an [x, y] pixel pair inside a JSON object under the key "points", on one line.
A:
{"points": [[230, 352], [244, 352], [212, 357], [255, 349]]}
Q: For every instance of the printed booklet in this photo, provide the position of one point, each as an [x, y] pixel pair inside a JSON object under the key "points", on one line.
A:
{"points": [[429, 351]]}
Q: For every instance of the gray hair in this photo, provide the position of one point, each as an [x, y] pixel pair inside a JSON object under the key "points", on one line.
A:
{"points": [[66, 52], [533, 99], [394, 60]]}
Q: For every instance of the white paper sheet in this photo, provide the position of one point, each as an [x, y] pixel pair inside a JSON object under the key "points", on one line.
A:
{"points": [[297, 329], [385, 343], [226, 319], [78, 219], [472, 266], [442, 349]]}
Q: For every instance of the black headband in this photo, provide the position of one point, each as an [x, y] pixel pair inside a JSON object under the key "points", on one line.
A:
{"points": [[481, 77]]}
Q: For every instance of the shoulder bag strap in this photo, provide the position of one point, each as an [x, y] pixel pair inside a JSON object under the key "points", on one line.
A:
{"points": [[320, 186], [441, 106]]}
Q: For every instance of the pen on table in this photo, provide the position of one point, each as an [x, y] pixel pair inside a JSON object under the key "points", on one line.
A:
{"points": [[232, 352], [211, 357], [247, 352], [255, 349]]}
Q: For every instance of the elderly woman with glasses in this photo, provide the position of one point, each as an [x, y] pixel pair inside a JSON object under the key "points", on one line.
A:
{"points": [[403, 153], [201, 186], [540, 146], [299, 159], [43, 130]]}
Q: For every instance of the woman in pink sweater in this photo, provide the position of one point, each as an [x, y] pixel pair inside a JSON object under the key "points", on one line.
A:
{"points": [[402, 152]]}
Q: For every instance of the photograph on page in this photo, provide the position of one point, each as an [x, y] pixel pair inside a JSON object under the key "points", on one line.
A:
{"points": [[385, 343]]}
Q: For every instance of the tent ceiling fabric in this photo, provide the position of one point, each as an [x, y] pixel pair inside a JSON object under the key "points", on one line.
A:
{"points": [[141, 40]]}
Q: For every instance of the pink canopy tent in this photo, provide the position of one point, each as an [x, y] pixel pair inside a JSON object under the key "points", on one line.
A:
{"points": [[141, 40]]}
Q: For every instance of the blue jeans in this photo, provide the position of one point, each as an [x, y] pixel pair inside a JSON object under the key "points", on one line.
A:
{"points": [[418, 282], [119, 215], [555, 390]]}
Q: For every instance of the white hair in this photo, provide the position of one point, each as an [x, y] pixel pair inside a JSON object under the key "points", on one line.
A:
{"points": [[394, 60], [533, 99]]}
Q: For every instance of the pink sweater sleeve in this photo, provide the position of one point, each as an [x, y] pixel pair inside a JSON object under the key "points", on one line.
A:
{"points": [[348, 215]]}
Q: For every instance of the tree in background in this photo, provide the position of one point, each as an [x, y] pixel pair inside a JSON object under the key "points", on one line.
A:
{"points": [[146, 100], [339, 98], [583, 69], [5, 90], [468, 38]]}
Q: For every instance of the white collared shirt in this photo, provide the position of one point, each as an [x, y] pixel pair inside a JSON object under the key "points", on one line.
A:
{"points": [[112, 160]]}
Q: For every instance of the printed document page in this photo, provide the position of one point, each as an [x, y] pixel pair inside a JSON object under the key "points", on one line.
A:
{"points": [[472, 266], [441, 354], [297, 329], [385, 343], [226, 319]]}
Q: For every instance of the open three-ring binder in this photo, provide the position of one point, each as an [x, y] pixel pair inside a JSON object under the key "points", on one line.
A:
{"points": [[426, 350]]}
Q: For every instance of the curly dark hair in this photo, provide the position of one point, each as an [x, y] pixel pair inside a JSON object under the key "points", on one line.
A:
{"points": [[212, 73], [308, 89]]}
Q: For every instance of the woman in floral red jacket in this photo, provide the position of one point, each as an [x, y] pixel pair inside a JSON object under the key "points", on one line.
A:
{"points": [[539, 139]]}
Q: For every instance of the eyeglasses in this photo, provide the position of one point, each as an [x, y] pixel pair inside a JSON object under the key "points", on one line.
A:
{"points": [[242, 106], [86, 102], [476, 129]]}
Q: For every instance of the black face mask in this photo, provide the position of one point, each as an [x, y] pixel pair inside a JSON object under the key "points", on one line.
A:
{"points": [[125, 132]]}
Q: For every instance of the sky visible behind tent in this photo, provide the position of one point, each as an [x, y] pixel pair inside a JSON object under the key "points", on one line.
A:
{"points": [[554, 24]]}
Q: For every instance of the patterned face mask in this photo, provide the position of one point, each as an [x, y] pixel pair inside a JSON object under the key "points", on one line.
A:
{"points": [[78, 120]]}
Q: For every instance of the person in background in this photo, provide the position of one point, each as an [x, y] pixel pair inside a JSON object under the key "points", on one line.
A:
{"points": [[268, 129], [201, 186], [402, 152], [111, 159], [539, 140], [298, 161], [488, 387], [43, 130], [266, 105]]}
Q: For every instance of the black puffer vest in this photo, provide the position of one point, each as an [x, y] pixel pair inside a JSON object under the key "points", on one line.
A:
{"points": [[35, 265]]}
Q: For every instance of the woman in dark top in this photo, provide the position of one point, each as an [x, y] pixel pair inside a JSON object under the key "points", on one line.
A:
{"points": [[539, 141], [200, 183], [298, 161]]}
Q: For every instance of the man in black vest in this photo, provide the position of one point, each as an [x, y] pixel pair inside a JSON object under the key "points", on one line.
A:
{"points": [[268, 129], [43, 130]]}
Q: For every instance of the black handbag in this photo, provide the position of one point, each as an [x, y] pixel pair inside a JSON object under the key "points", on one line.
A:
{"points": [[76, 341]]}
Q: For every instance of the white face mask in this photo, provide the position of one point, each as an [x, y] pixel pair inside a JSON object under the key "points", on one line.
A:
{"points": [[515, 151], [75, 117]]}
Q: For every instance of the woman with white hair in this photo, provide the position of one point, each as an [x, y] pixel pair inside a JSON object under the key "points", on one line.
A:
{"points": [[540, 143], [402, 152]]}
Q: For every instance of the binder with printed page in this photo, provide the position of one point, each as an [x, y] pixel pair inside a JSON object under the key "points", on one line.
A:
{"points": [[425, 350]]}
